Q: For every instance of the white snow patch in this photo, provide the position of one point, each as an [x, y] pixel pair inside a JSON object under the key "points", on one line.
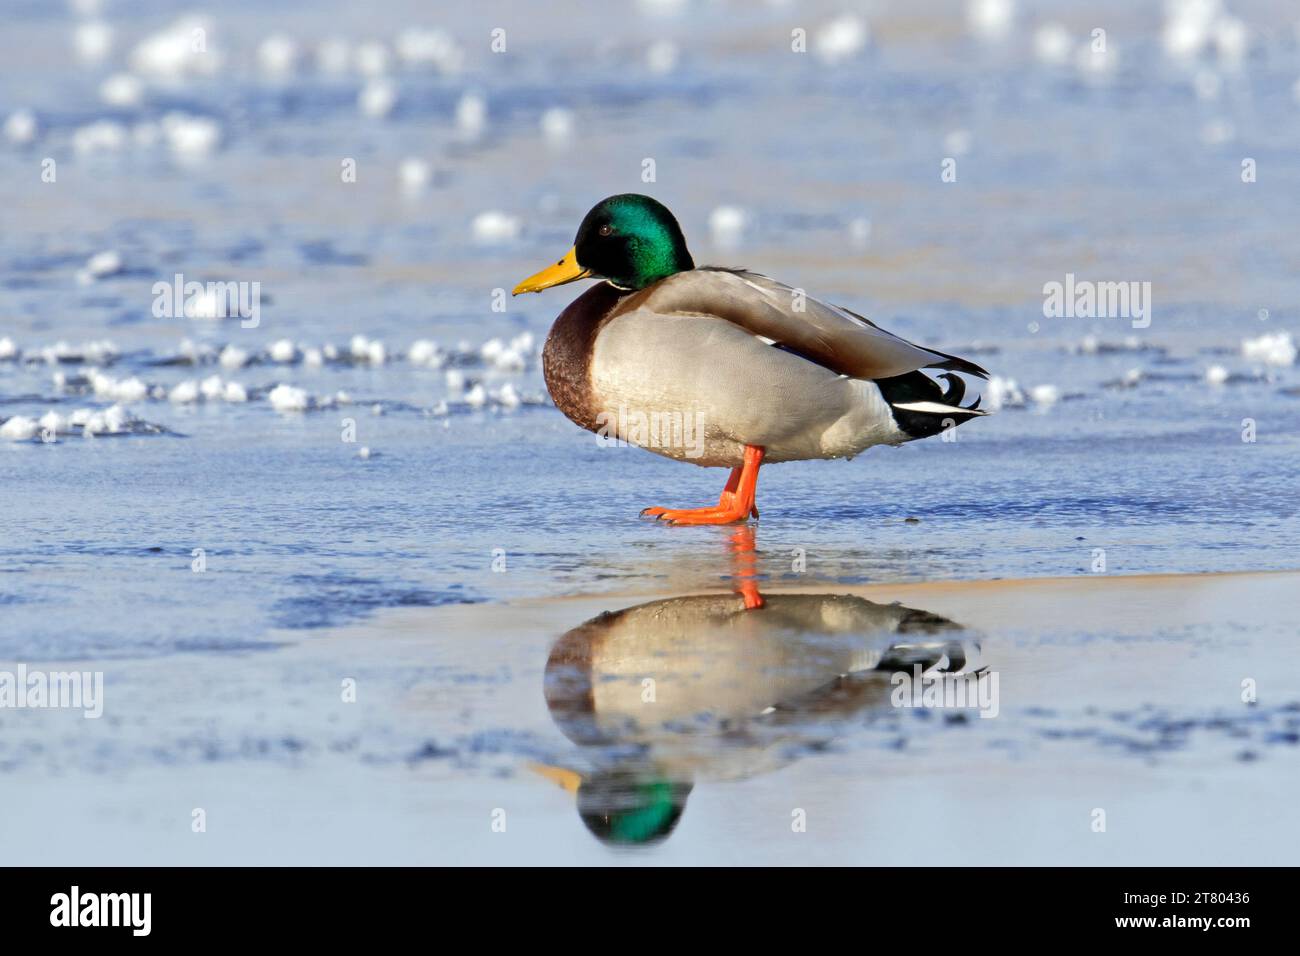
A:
{"points": [[1045, 394], [841, 38], [990, 19], [277, 55], [1216, 375], [21, 127], [182, 49], [232, 356], [100, 266], [119, 390], [471, 115], [54, 423], [425, 352], [1052, 44], [493, 227], [506, 396], [727, 225], [93, 41], [1275, 349], [432, 49], [103, 136], [20, 428], [212, 387], [1004, 393], [365, 349], [191, 137], [557, 126], [377, 98], [184, 393], [122, 90], [288, 398], [415, 174]]}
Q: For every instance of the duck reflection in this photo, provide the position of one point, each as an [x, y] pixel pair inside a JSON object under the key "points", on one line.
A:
{"points": [[722, 687]]}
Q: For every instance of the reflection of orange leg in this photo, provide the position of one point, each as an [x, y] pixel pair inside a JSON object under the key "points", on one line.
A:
{"points": [[748, 591], [736, 503], [743, 567]]}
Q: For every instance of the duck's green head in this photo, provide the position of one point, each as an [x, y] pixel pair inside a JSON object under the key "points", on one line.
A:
{"points": [[623, 806], [630, 241], [620, 809]]}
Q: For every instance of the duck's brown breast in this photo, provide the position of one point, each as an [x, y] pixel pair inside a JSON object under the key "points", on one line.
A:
{"points": [[566, 357]]}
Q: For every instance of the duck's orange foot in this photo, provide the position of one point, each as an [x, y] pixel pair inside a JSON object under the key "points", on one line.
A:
{"points": [[736, 503], [726, 505], [700, 515]]}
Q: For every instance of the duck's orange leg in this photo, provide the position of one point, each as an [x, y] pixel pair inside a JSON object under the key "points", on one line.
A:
{"points": [[736, 503], [724, 500]]}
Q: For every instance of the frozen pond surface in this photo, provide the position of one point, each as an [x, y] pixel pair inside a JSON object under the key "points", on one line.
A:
{"points": [[527, 733]]}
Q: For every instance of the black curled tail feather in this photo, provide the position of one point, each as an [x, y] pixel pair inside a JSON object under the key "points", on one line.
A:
{"points": [[917, 388], [956, 389]]}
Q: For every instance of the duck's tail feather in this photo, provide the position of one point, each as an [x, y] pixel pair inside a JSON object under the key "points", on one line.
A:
{"points": [[921, 407]]}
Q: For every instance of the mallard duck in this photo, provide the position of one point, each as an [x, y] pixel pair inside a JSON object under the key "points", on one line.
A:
{"points": [[724, 367]]}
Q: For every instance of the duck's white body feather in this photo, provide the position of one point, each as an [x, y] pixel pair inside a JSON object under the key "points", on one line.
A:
{"points": [[729, 388]]}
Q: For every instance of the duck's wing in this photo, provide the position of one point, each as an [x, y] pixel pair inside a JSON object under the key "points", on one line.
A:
{"points": [[836, 338]]}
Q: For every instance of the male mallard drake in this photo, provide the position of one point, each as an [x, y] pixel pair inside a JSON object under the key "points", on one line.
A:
{"points": [[724, 367]]}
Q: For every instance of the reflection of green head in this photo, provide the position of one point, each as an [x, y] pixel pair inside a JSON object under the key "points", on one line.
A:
{"points": [[623, 809]]}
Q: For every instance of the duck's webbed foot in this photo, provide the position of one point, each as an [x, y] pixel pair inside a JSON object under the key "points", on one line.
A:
{"points": [[736, 503]]}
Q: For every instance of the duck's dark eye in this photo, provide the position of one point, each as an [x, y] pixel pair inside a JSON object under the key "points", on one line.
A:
{"points": [[606, 230]]}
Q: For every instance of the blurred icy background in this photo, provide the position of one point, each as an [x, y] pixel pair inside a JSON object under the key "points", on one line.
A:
{"points": [[473, 168]]}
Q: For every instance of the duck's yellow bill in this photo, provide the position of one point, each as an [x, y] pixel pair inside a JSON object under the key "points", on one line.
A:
{"points": [[566, 270], [570, 780]]}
